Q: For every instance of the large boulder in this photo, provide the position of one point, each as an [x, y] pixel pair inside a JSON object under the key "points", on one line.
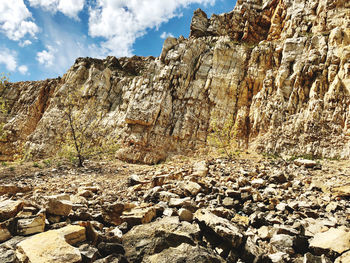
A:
{"points": [[149, 239], [52, 246]]}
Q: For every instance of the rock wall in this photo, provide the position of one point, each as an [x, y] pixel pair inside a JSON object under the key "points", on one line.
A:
{"points": [[279, 69]]}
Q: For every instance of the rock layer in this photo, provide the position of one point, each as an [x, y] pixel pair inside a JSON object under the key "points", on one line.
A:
{"points": [[278, 70]]}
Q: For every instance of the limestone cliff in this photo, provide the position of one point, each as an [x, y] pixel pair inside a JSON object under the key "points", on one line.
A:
{"points": [[278, 68]]}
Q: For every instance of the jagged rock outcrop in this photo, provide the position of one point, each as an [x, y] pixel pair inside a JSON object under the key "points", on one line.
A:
{"points": [[279, 69]]}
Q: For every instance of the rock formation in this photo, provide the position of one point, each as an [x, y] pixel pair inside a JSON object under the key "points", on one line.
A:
{"points": [[279, 69]]}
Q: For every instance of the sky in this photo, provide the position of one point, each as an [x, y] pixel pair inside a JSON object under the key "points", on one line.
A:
{"points": [[41, 39]]}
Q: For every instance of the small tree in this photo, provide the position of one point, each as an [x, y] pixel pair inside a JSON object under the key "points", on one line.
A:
{"points": [[222, 135], [84, 119]]}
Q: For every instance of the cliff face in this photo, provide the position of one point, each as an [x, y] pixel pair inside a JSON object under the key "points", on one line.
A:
{"points": [[279, 69]]}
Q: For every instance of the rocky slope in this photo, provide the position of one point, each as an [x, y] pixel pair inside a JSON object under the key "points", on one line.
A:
{"points": [[247, 210], [278, 69]]}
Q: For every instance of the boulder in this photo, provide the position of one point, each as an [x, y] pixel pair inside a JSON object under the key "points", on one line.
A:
{"points": [[9, 209], [185, 215], [32, 225], [333, 240], [59, 205], [52, 246], [138, 216], [220, 226], [145, 240]]}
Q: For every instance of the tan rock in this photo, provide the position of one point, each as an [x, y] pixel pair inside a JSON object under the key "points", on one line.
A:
{"points": [[344, 258], [59, 205], [52, 246], [185, 215], [305, 162], [190, 188], [139, 216], [9, 208], [13, 189], [179, 202], [200, 169], [335, 239], [4, 233], [342, 191], [32, 225]]}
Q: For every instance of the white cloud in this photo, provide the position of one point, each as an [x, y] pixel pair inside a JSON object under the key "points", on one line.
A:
{"points": [[25, 43], [122, 21], [8, 58], [23, 69], [16, 20], [165, 35], [68, 7], [46, 57]]}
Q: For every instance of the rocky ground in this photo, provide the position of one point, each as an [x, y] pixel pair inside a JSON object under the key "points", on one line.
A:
{"points": [[214, 210]]}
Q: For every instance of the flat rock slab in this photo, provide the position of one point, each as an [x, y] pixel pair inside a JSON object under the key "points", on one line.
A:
{"points": [[221, 226], [343, 191], [13, 189], [139, 216], [335, 239], [33, 225], [52, 246], [9, 209], [305, 162]]}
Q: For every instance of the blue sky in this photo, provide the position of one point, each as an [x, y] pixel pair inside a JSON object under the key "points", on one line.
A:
{"points": [[40, 39]]}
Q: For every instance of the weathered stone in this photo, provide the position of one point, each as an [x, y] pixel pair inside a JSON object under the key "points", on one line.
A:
{"points": [[200, 169], [190, 188], [89, 253], [32, 225], [184, 253], [4, 233], [283, 242], [110, 248], [138, 216], [228, 202], [59, 205], [13, 189], [344, 258], [180, 202], [309, 258], [9, 208], [222, 227], [279, 257], [305, 162], [145, 240], [52, 246], [185, 215], [334, 240], [342, 190]]}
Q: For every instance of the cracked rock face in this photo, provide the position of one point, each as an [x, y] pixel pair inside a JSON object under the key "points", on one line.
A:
{"points": [[279, 70]]}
